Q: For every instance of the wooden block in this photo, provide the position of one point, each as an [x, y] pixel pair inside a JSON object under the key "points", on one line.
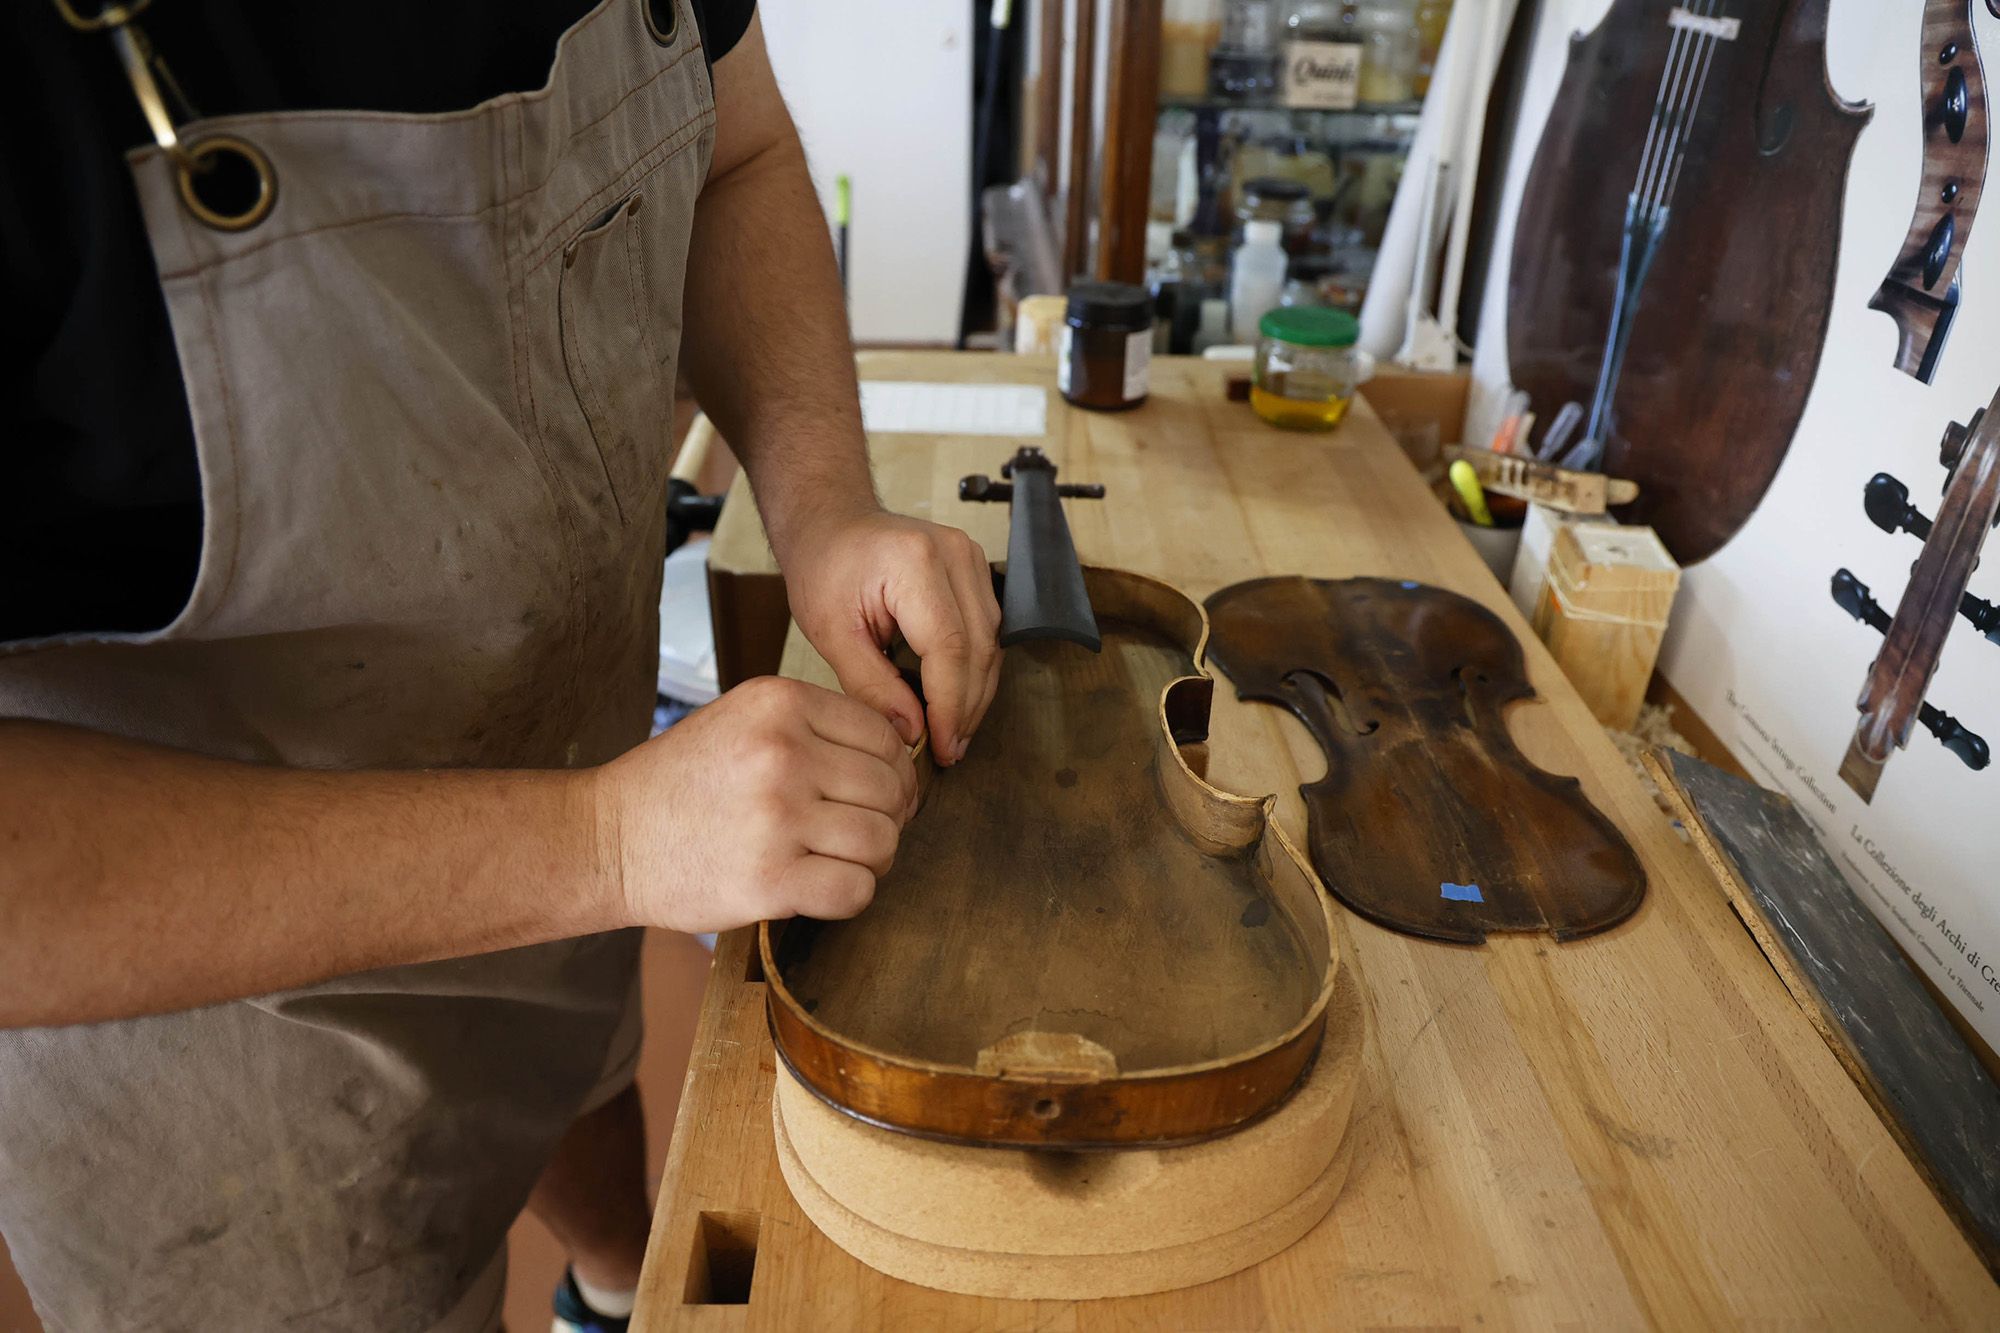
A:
{"points": [[1038, 325], [1603, 611]]}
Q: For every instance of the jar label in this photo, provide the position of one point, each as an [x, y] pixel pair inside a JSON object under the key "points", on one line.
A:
{"points": [[1322, 74], [1062, 360], [1138, 363]]}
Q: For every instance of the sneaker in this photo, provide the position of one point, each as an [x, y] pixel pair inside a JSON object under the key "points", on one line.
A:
{"points": [[574, 1315]]}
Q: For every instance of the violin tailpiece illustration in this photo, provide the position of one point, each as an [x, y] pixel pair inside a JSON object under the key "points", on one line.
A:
{"points": [[1429, 819], [1892, 701], [1671, 280], [1921, 290]]}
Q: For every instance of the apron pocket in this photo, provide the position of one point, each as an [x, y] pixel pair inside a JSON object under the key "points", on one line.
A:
{"points": [[607, 311]]}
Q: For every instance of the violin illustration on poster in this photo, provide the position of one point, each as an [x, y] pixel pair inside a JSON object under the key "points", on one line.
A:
{"points": [[1673, 260]]}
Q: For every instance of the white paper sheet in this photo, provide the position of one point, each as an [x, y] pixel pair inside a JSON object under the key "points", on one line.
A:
{"points": [[911, 407]]}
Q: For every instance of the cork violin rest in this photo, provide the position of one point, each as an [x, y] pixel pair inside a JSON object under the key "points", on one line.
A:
{"points": [[1081, 943], [1428, 820]]}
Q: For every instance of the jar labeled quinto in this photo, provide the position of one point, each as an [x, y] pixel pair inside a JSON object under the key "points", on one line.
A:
{"points": [[1307, 367]]}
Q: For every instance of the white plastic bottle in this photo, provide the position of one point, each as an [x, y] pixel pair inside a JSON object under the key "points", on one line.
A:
{"points": [[1256, 277]]}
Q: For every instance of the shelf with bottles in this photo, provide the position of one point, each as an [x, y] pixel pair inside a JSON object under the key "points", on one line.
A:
{"points": [[1293, 115], [1400, 116], [1300, 55]]}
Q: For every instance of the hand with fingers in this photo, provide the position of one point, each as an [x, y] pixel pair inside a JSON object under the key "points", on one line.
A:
{"points": [[784, 799], [779, 799], [859, 582]]}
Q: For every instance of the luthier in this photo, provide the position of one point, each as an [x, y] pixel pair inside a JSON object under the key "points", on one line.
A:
{"points": [[1199, 897]]}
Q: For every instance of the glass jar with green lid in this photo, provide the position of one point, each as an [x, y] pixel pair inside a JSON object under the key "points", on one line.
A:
{"points": [[1307, 367]]}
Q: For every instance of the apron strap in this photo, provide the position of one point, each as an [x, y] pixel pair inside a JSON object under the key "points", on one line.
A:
{"points": [[196, 163]]}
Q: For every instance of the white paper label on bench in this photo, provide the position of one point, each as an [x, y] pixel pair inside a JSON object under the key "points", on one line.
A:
{"points": [[912, 407]]}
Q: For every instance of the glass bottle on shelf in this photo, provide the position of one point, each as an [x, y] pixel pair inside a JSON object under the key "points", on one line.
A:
{"points": [[1244, 64], [1388, 30], [1285, 202], [1322, 56], [1432, 16], [1199, 266], [1189, 30]]}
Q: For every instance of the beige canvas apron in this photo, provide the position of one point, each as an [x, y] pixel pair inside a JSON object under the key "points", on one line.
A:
{"points": [[431, 392]]}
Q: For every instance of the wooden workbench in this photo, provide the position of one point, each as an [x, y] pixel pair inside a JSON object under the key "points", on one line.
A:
{"points": [[1640, 1127]]}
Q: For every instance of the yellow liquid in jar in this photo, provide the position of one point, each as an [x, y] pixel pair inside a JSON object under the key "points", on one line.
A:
{"points": [[1299, 413]]}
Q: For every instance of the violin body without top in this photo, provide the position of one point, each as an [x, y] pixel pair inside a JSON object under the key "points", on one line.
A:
{"points": [[1082, 944]]}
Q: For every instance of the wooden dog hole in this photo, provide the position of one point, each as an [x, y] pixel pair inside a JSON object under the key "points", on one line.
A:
{"points": [[723, 1259]]}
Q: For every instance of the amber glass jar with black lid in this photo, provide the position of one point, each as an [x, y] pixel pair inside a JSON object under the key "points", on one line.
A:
{"points": [[1105, 355]]}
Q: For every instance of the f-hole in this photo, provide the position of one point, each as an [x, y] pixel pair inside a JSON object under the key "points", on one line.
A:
{"points": [[1774, 119], [1324, 703]]}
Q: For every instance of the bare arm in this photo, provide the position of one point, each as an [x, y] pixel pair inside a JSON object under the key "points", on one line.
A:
{"points": [[767, 348], [768, 353], [136, 879]]}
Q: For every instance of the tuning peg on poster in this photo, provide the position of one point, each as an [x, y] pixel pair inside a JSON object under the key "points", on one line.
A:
{"points": [[1984, 615], [1969, 746], [1888, 504], [1852, 596]]}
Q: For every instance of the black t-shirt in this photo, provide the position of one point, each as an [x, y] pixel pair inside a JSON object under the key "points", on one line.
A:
{"points": [[100, 500]]}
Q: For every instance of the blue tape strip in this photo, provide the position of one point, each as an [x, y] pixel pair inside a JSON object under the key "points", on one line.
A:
{"points": [[1461, 893]]}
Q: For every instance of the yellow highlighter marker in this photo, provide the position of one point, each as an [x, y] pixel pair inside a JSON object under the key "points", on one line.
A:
{"points": [[1466, 482]]}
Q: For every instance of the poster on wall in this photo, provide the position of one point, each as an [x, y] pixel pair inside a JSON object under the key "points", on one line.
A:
{"points": [[1737, 259]]}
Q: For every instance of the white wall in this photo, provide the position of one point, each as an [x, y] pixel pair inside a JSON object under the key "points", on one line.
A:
{"points": [[882, 92], [1756, 644]]}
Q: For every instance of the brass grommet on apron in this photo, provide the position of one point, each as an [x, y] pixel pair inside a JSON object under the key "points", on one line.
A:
{"points": [[203, 156], [152, 83], [663, 19]]}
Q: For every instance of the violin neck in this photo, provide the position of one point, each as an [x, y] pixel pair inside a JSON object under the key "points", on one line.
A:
{"points": [[1044, 595]]}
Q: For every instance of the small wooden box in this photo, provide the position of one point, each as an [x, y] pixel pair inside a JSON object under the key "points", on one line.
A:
{"points": [[1603, 611]]}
